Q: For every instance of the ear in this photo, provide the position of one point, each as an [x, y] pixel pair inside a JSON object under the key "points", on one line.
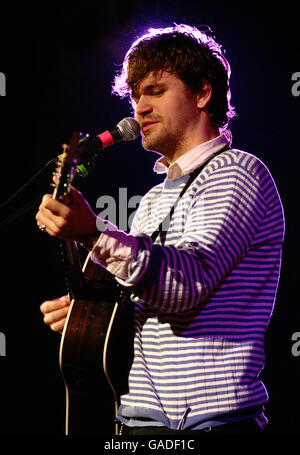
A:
{"points": [[204, 95]]}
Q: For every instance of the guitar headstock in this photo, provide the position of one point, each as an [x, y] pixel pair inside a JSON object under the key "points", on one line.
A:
{"points": [[67, 168]]}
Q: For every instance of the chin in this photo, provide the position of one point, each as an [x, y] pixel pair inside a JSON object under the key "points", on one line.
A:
{"points": [[152, 144], [148, 145], [152, 148]]}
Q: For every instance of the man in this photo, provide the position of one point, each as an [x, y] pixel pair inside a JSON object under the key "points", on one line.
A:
{"points": [[204, 290]]}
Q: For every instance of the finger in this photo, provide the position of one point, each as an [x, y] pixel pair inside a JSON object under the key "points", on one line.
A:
{"points": [[58, 326], [54, 207], [65, 298], [44, 228], [44, 215], [55, 304], [56, 178], [53, 224], [42, 212], [56, 316], [46, 200]]}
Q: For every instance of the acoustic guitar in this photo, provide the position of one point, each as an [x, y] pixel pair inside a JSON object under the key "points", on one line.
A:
{"points": [[96, 344]]}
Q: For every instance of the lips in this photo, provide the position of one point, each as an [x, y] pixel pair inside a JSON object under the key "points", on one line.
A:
{"points": [[147, 125]]}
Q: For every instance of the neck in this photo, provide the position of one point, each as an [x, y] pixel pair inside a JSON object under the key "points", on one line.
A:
{"points": [[204, 134]]}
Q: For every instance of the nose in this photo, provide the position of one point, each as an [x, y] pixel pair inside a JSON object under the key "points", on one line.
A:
{"points": [[143, 106]]}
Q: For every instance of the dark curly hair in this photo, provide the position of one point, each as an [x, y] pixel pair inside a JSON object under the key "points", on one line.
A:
{"points": [[191, 54]]}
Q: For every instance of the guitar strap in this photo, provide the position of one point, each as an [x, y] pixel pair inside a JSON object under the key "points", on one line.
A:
{"points": [[166, 221]]}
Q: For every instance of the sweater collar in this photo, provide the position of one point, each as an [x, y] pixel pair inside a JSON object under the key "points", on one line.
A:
{"points": [[192, 159]]}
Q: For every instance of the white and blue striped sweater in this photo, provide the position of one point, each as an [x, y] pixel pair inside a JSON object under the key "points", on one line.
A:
{"points": [[204, 295]]}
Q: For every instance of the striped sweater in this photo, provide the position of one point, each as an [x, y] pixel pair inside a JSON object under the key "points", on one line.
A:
{"points": [[203, 293]]}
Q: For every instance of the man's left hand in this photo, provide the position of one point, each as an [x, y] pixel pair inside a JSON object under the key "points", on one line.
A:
{"points": [[72, 221]]}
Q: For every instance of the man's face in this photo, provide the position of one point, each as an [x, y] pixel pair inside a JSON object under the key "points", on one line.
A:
{"points": [[167, 112]]}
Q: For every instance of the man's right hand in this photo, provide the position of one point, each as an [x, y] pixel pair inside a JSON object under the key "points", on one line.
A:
{"points": [[55, 312]]}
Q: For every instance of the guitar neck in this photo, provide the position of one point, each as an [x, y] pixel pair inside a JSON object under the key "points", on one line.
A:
{"points": [[71, 252], [72, 265], [66, 169]]}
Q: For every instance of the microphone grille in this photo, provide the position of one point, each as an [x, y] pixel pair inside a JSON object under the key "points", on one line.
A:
{"points": [[129, 129]]}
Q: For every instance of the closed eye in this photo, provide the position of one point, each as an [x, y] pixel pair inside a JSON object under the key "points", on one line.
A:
{"points": [[149, 91], [158, 93]]}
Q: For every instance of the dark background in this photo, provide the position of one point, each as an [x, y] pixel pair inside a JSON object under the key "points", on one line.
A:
{"points": [[59, 63]]}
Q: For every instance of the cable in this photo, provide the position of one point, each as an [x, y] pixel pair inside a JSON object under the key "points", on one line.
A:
{"points": [[82, 171], [20, 212], [29, 182]]}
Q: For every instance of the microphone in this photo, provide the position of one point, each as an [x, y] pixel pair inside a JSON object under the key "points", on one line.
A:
{"points": [[127, 129]]}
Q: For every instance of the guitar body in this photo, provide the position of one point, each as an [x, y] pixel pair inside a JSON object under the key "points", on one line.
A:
{"points": [[95, 355]]}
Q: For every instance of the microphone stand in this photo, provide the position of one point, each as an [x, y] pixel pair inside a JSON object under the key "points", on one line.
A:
{"points": [[83, 169]]}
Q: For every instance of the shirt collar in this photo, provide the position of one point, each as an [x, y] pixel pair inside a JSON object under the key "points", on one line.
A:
{"points": [[192, 159]]}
